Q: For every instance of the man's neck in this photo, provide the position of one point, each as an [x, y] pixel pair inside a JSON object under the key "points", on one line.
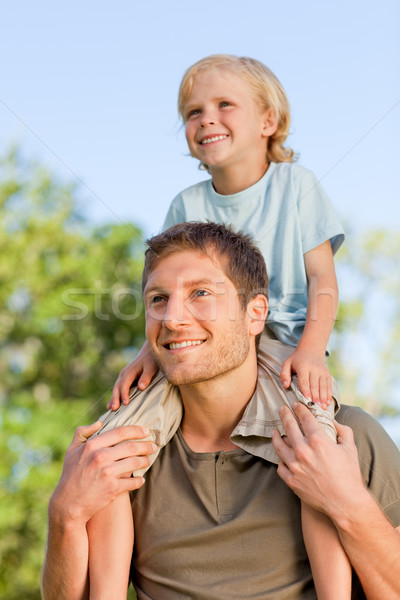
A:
{"points": [[213, 408]]}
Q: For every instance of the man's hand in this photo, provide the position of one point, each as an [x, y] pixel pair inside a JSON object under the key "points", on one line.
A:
{"points": [[144, 367], [313, 376], [323, 474], [98, 470]]}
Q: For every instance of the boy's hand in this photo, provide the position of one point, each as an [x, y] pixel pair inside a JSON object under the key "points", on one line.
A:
{"points": [[313, 376], [144, 367]]}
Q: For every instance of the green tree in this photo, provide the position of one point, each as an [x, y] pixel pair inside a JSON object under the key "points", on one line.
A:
{"points": [[70, 319], [369, 318]]}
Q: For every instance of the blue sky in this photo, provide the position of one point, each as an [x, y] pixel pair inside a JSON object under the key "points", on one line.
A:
{"points": [[89, 88]]}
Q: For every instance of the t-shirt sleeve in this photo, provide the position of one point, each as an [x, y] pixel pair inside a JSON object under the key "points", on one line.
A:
{"points": [[176, 213], [379, 459], [318, 219]]}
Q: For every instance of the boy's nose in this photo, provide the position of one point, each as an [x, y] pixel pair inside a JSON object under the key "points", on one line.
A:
{"points": [[206, 122], [207, 118]]}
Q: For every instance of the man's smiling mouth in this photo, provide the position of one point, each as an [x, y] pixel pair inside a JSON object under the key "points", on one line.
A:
{"points": [[184, 344]]}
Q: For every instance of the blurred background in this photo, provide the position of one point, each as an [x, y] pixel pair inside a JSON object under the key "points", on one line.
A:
{"points": [[92, 152]]}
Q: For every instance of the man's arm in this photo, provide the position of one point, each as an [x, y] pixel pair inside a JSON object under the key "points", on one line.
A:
{"points": [[95, 472], [327, 476]]}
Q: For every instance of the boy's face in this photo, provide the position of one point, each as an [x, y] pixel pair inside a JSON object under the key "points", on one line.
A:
{"points": [[225, 126]]}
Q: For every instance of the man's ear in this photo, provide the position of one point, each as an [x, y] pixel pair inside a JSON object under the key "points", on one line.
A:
{"points": [[270, 123], [257, 310]]}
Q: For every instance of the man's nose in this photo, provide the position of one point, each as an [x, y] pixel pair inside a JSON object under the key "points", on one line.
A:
{"points": [[177, 315]]}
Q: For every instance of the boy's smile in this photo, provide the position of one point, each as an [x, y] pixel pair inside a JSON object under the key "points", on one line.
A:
{"points": [[225, 127]]}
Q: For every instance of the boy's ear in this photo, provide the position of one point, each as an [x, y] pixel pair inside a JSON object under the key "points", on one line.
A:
{"points": [[270, 122], [257, 310]]}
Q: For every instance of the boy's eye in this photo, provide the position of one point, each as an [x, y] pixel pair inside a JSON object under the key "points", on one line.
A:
{"points": [[224, 104], [192, 113]]}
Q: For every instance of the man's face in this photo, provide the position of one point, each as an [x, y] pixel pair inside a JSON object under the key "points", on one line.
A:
{"points": [[195, 325]]}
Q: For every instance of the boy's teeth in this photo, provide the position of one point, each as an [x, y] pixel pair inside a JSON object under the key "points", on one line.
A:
{"points": [[175, 345], [216, 138]]}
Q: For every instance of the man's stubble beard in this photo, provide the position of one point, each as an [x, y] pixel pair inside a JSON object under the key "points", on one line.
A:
{"points": [[229, 355]]}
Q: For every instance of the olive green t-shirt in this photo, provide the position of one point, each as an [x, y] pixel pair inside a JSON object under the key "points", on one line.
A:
{"points": [[223, 525]]}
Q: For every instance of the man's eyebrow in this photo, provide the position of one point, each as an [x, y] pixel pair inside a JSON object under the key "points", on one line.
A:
{"points": [[185, 284]]}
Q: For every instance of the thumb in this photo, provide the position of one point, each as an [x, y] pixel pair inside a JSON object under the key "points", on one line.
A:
{"points": [[82, 434], [286, 372]]}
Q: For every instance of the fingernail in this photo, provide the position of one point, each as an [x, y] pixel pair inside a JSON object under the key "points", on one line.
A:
{"points": [[145, 430], [154, 446], [295, 404]]}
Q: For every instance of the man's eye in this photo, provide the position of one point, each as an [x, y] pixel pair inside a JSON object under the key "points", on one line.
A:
{"points": [[200, 293], [156, 299], [224, 104]]}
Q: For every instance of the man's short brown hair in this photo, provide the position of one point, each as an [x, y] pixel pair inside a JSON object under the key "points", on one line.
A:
{"points": [[241, 260]]}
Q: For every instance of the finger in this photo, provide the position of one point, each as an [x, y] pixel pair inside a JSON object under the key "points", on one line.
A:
{"points": [[84, 432], [114, 402], [323, 394], [118, 435], [125, 388], [304, 385], [314, 387], [329, 389], [130, 449], [144, 381], [125, 468], [280, 444], [130, 484], [291, 426], [286, 373], [344, 434], [307, 420]]}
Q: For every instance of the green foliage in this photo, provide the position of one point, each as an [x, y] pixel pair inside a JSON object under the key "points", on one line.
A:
{"points": [[70, 318], [369, 311]]}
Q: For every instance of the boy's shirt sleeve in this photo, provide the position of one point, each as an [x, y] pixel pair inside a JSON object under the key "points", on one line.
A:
{"points": [[176, 213], [318, 219]]}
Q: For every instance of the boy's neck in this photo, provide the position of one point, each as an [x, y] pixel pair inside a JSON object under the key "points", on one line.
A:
{"points": [[233, 180]]}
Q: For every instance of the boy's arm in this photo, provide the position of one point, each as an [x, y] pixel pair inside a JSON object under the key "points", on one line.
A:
{"points": [[308, 360], [327, 476], [95, 472]]}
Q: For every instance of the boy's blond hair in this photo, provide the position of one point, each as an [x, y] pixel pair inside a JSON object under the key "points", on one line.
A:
{"points": [[266, 86]]}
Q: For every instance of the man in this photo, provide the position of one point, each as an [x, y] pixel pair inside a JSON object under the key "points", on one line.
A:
{"points": [[215, 520]]}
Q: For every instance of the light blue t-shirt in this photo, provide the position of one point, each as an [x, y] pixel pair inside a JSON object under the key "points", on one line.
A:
{"points": [[287, 213]]}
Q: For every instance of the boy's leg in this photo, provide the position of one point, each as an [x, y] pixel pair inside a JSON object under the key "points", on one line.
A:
{"points": [[271, 355], [158, 407], [329, 563], [330, 566], [110, 534]]}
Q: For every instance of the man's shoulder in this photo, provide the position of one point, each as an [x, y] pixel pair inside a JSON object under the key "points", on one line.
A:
{"points": [[362, 423], [375, 446]]}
